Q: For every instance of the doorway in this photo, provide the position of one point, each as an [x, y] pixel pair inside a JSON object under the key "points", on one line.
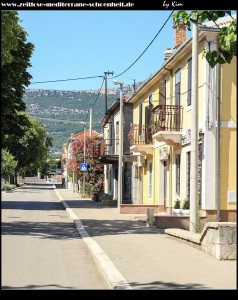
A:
{"points": [[165, 183]]}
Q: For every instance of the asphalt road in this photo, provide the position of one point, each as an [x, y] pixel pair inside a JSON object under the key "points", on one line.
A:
{"points": [[41, 249]]}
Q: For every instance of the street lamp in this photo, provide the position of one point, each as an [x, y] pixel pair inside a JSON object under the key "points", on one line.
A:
{"points": [[120, 166]]}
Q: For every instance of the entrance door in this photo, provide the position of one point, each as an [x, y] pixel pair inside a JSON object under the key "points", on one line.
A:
{"points": [[165, 183], [116, 185], [140, 189]]}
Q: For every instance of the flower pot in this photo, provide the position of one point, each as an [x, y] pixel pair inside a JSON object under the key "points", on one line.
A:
{"points": [[185, 212], [177, 211]]}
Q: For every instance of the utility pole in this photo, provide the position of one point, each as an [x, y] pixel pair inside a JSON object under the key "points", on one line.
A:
{"points": [[105, 78], [84, 154], [90, 122], [194, 217]]}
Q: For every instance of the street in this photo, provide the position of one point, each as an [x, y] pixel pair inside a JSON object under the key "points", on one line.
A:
{"points": [[41, 249]]}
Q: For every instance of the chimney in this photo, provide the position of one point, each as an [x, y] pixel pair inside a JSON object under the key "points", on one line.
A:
{"points": [[179, 34], [167, 53]]}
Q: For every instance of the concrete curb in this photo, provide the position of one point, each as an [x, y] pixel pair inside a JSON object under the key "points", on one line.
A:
{"points": [[109, 270]]}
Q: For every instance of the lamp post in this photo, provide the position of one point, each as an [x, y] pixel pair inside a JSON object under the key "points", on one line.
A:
{"points": [[120, 166]]}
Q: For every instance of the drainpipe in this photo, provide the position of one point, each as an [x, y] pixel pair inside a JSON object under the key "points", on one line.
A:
{"points": [[218, 133], [194, 218]]}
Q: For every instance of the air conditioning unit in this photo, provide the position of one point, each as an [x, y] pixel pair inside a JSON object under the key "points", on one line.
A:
{"points": [[141, 161]]}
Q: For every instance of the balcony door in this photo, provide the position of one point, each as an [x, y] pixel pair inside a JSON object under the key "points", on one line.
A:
{"points": [[148, 133], [162, 103]]}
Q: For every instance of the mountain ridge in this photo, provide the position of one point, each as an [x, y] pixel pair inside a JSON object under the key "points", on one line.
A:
{"points": [[64, 112]]}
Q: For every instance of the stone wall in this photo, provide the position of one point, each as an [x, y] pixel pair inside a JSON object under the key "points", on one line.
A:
{"points": [[219, 239]]}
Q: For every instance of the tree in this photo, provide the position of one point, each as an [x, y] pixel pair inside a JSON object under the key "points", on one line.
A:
{"points": [[16, 53], [8, 163], [31, 150], [50, 165], [94, 175], [227, 36]]}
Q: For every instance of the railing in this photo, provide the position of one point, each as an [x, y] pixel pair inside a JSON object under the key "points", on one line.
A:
{"points": [[166, 117], [140, 135], [109, 147]]}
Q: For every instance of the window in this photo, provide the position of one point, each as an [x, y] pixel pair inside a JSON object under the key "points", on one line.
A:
{"points": [[200, 174], [188, 159], [162, 99], [150, 99], [189, 81], [162, 92], [177, 180], [150, 181], [110, 180], [117, 137], [177, 86], [140, 118], [176, 124]]}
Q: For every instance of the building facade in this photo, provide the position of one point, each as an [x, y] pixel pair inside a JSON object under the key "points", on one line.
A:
{"points": [[160, 137], [110, 150]]}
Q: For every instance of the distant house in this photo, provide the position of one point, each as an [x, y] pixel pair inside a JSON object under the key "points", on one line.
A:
{"points": [[110, 146], [67, 150]]}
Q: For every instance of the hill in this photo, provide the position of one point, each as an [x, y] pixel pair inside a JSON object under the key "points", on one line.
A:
{"points": [[63, 112]]}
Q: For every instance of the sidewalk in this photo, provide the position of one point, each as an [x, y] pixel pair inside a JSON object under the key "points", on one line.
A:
{"points": [[145, 256]]}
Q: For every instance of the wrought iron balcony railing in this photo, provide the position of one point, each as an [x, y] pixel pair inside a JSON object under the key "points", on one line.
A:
{"points": [[109, 147], [166, 118], [140, 135]]}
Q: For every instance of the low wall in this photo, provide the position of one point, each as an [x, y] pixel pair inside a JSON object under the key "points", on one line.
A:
{"points": [[217, 239], [139, 208]]}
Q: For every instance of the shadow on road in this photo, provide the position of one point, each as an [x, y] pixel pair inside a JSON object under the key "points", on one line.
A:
{"points": [[38, 287], [32, 205], [161, 285], [44, 230]]}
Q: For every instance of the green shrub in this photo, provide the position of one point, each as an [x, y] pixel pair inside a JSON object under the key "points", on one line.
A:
{"points": [[88, 188], [186, 204], [177, 204], [9, 187]]}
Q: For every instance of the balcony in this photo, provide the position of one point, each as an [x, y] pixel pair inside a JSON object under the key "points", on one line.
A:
{"points": [[109, 151], [166, 124], [140, 138], [109, 147]]}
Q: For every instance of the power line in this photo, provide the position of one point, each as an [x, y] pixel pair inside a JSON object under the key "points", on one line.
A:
{"points": [[69, 79], [145, 48], [100, 76]]}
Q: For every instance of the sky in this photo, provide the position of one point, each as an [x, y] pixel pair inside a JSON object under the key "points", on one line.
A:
{"points": [[72, 44]]}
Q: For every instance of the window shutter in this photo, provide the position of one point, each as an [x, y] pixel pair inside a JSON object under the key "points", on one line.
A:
{"points": [[162, 93]]}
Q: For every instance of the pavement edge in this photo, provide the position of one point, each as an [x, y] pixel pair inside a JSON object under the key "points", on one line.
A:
{"points": [[109, 270]]}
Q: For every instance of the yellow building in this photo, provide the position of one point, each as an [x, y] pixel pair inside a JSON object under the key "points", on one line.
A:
{"points": [[161, 133]]}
